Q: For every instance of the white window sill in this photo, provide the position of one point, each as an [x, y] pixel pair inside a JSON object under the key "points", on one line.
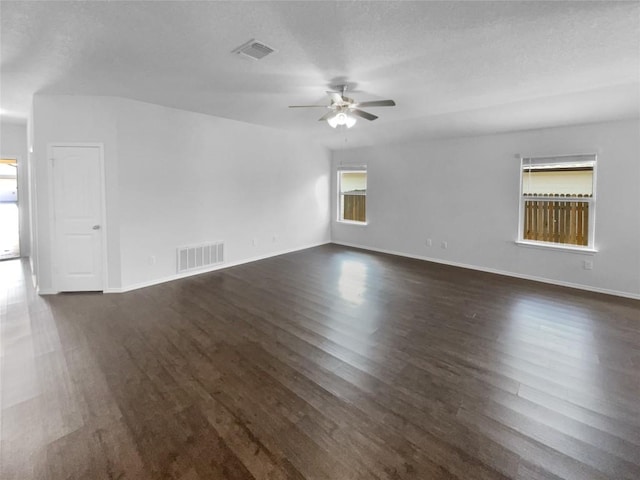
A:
{"points": [[348, 222], [557, 246]]}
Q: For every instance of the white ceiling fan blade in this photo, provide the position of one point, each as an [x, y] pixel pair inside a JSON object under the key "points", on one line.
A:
{"points": [[308, 106], [377, 103], [327, 116], [360, 113]]}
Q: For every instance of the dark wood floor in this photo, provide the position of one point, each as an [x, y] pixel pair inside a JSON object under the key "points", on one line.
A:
{"points": [[330, 363]]}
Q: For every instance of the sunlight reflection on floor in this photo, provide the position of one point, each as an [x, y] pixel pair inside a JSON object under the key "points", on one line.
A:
{"points": [[352, 281]]}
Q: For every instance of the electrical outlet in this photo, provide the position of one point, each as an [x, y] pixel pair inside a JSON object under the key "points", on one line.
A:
{"points": [[587, 265], [444, 245], [429, 242], [254, 242], [152, 259]]}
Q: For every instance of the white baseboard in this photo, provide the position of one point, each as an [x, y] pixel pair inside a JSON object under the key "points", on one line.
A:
{"points": [[46, 291], [178, 276], [578, 286]]}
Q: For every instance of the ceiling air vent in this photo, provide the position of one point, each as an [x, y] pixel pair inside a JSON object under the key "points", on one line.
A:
{"points": [[254, 50]]}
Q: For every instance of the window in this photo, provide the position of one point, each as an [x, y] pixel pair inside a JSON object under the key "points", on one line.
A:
{"points": [[352, 195], [557, 202]]}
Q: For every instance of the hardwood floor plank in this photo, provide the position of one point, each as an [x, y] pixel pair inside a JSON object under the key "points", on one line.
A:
{"points": [[577, 449], [629, 431], [530, 450], [554, 420]]}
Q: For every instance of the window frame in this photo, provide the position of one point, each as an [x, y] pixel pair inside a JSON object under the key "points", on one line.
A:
{"points": [[340, 195], [590, 247]]}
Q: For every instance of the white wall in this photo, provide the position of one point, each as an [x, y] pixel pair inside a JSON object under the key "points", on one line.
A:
{"points": [[13, 143], [187, 178], [465, 191], [74, 119], [177, 178]]}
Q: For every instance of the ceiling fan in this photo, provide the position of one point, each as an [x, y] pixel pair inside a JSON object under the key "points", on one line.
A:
{"points": [[344, 110]]}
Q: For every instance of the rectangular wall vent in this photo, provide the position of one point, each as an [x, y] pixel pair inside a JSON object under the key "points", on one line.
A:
{"points": [[254, 50], [196, 257]]}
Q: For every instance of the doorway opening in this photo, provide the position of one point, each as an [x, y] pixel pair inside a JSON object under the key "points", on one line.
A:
{"points": [[9, 217]]}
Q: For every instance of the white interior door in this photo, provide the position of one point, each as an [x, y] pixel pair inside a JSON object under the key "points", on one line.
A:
{"points": [[78, 232]]}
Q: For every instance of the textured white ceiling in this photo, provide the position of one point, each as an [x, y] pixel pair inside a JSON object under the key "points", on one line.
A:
{"points": [[453, 68]]}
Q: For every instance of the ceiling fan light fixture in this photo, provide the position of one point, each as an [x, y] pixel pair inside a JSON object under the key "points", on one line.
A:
{"points": [[351, 121], [333, 121], [341, 118]]}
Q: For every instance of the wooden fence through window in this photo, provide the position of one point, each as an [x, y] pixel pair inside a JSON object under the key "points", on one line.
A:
{"points": [[355, 208], [565, 220]]}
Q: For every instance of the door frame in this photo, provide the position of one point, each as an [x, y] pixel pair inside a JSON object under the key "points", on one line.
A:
{"points": [[55, 281], [21, 241]]}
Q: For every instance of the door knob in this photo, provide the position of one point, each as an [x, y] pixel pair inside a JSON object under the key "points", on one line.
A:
{"points": [[96, 227]]}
